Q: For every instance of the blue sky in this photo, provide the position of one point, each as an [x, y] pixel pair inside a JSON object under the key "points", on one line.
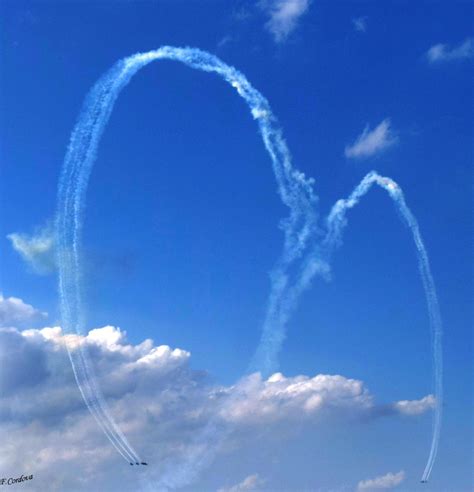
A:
{"points": [[182, 216]]}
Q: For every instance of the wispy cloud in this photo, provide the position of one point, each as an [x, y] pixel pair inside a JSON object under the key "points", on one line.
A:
{"points": [[371, 142], [388, 481], [284, 16], [444, 53], [242, 13], [360, 23], [224, 41], [252, 482], [37, 250]]}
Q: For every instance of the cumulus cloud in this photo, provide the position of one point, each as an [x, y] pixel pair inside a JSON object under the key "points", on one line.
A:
{"points": [[284, 16], [388, 481], [360, 23], [22, 364], [47, 429], [415, 407], [157, 399], [440, 52], [252, 482], [372, 142], [257, 401], [15, 312], [37, 250]]}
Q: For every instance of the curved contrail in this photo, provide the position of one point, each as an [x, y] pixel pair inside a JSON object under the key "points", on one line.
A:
{"points": [[321, 255], [303, 241], [294, 189], [317, 262]]}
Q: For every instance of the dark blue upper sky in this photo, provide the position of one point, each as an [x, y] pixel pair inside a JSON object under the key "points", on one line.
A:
{"points": [[182, 214]]}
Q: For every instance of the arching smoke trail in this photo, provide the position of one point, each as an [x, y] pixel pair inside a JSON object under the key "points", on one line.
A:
{"points": [[336, 222], [318, 260], [294, 189], [287, 283]]}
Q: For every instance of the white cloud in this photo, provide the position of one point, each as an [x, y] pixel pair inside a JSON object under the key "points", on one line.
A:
{"points": [[360, 23], [252, 482], [371, 142], [257, 401], [444, 53], [388, 481], [37, 250], [284, 16], [159, 402], [14, 311], [415, 407]]}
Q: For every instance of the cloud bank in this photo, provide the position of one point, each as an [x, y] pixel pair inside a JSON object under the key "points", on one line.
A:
{"points": [[384, 482], [372, 142], [159, 402]]}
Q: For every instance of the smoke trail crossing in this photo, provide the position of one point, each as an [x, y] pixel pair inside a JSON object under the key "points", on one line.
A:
{"points": [[304, 244], [294, 189]]}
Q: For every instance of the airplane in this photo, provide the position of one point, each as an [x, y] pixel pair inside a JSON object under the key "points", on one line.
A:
{"points": [[143, 463], [424, 481]]}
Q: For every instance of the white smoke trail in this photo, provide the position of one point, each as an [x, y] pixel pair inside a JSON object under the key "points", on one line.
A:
{"points": [[300, 229], [318, 260], [294, 189]]}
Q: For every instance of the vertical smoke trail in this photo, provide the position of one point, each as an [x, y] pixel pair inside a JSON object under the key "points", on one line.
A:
{"points": [[318, 260], [435, 323], [82, 373], [294, 189]]}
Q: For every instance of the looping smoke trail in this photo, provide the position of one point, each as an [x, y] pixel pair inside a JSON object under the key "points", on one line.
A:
{"points": [[294, 189], [300, 231]]}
